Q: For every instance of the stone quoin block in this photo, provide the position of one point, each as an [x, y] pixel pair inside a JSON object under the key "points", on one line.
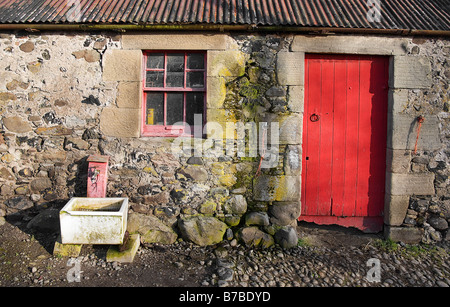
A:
{"points": [[409, 235], [289, 128], [397, 100], [230, 63], [402, 132], [122, 65], [410, 184], [395, 208], [398, 161], [292, 161], [129, 95], [291, 68], [120, 122], [215, 92], [277, 188], [410, 72], [296, 98]]}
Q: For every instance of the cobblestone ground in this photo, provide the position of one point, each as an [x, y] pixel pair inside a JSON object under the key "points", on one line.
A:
{"points": [[323, 258], [374, 264]]}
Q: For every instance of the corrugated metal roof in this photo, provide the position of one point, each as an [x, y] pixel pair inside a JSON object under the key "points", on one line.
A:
{"points": [[395, 14]]}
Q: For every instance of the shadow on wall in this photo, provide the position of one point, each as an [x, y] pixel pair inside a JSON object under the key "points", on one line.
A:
{"points": [[41, 218]]}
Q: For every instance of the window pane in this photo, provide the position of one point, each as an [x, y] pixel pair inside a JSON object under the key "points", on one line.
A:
{"points": [[155, 109], [155, 60], [174, 108], [195, 79], [175, 79], [195, 61], [155, 79], [175, 62], [194, 105]]}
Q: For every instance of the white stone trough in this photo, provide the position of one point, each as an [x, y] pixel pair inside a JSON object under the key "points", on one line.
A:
{"points": [[94, 220]]}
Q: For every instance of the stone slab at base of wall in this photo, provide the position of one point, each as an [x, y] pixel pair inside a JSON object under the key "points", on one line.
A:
{"points": [[409, 235]]}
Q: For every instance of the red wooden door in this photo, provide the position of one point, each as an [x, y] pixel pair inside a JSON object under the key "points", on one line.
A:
{"points": [[344, 140]]}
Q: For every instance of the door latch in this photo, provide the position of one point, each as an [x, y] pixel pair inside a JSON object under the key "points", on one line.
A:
{"points": [[314, 117]]}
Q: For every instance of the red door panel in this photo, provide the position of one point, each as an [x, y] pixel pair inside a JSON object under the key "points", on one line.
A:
{"points": [[344, 140]]}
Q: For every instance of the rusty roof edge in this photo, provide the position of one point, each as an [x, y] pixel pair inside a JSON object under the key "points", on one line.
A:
{"points": [[33, 27]]}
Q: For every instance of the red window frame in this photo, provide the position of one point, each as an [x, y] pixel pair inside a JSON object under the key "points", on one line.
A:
{"points": [[170, 130]]}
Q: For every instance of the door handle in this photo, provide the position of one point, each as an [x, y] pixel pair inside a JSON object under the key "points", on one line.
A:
{"points": [[314, 117]]}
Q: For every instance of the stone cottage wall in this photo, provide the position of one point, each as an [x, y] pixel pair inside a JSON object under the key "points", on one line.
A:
{"points": [[65, 96]]}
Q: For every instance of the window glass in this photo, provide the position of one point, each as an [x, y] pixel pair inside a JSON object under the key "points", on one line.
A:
{"points": [[175, 79], [195, 79], [175, 62], [194, 105], [155, 61], [155, 79], [175, 70], [175, 106], [174, 91], [155, 108], [195, 61]]}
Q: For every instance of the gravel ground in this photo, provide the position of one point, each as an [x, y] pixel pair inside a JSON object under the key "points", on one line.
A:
{"points": [[325, 257]]}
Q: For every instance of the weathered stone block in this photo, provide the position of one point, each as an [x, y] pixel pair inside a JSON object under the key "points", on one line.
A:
{"points": [[216, 92], [350, 44], [27, 46], [122, 65], [291, 68], [16, 124], [277, 188], [257, 218], [151, 229], [51, 156], [402, 132], [5, 174], [296, 98], [410, 184], [395, 208], [230, 63], [397, 100], [40, 184], [292, 163], [120, 122], [55, 130], [129, 95], [288, 127], [19, 203], [128, 254], [221, 123], [221, 115], [196, 172], [253, 237], [167, 41], [398, 161], [287, 237], [227, 180], [236, 205], [284, 213], [410, 72], [202, 230], [208, 207], [409, 235], [7, 96], [66, 250], [89, 55]]}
